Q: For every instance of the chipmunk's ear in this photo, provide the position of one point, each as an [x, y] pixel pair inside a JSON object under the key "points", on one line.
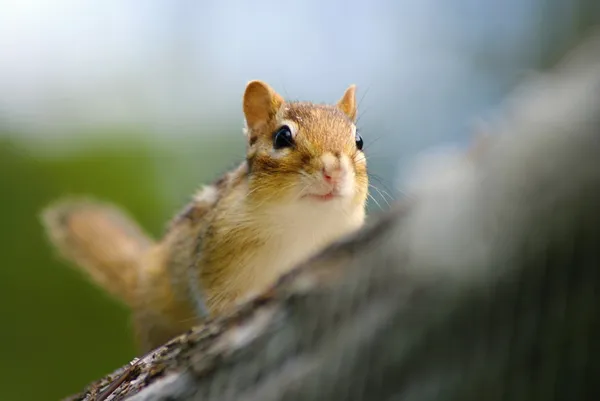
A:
{"points": [[261, 103], [348, 102]]}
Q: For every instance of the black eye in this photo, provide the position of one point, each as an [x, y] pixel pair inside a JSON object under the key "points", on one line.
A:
{"points": [[359, 141], [282, 138]]}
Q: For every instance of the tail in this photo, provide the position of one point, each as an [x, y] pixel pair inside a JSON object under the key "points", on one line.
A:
{"points": [[100, 240]]}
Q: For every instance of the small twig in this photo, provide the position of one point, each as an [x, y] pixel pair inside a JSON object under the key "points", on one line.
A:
{"points": [[121, 379]]}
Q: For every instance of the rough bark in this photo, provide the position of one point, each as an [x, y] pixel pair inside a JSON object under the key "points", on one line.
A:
{"points": [[485, 285]]}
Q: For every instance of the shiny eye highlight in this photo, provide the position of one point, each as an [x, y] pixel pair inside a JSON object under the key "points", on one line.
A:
{"points": [[359, 141], [282, 138]]}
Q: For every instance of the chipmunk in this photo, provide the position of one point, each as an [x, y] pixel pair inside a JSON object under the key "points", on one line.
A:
{"points": [[302, 185]]}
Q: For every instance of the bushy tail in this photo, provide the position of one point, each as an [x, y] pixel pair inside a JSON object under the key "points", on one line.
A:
{"points": [[100, 240]]}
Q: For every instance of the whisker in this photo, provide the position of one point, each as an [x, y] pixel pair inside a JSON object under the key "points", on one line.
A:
{"points": [[380, 194], [371, 142], [381, 182], [381, 191], [285, 92], [363, 97], [374, 200], [362, 113]]}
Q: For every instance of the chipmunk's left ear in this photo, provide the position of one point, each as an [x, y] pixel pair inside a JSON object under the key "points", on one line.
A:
{"points": [[348, 102], [261, 104]]}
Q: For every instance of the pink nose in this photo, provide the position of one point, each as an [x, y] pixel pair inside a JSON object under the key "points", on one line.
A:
{"points": [[332, 175]]}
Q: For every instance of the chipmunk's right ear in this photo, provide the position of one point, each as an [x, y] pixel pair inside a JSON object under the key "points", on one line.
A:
{"points": [[348, 103], [261, 103]]}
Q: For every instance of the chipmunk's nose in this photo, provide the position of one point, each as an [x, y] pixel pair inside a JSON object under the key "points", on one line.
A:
{"points": [[332, 169], [332, 174]]}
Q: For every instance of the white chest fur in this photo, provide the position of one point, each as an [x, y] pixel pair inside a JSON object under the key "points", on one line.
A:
{"points": [[293, 233]]}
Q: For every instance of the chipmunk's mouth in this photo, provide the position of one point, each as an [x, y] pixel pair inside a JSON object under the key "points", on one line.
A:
{"points": [[326, 192], [322, 198]]}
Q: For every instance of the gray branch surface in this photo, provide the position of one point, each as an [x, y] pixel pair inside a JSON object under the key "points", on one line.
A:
{"points": [[485, 285]]}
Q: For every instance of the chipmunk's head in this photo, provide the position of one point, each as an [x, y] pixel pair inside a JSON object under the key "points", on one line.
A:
{"points": [[304, 152]]}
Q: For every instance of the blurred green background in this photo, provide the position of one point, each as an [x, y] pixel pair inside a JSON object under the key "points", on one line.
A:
{"points": [[78, 119], [58, 331]]}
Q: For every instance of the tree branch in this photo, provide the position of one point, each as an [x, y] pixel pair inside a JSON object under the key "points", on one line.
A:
{"points": [[485, 285]]}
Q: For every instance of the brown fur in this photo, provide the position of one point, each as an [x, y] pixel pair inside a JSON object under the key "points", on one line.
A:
{"points": [[322, 128], [75, 225], [220, 232]]}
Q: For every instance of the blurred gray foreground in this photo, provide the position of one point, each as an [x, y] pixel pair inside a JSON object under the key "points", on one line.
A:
{"points": [[484, 285]]}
